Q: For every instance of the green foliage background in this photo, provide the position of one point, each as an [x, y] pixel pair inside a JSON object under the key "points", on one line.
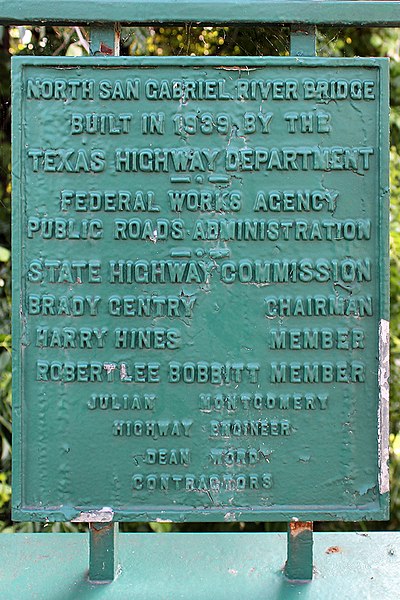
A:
{"points": [[192, 40]]}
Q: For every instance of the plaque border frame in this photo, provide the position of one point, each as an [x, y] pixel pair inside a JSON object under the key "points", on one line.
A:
{"points": [[380, 511]]}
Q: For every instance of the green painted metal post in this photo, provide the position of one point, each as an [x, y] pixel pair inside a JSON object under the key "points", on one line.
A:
{"points": [[303, 40], [103, 561], [299, 564], [105, 40]]}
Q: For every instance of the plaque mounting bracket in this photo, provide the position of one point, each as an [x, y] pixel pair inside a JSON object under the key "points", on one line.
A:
{"points": [[105, 40], [299, 564], [103, 537], [303, 40], [103, 561]]}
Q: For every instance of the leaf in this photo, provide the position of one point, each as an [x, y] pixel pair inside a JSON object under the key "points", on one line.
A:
{"points": [[74, 50], [159, 527], [4, 254]]}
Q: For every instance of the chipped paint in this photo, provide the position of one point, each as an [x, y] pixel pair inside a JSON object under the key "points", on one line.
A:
{"points": [[104, 515], [230, 516], [383, 407], [364, 489]]}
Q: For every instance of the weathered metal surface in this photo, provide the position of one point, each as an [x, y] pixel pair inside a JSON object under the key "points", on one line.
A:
{"points": [[315, 12], [180, 566], [200, 280]]}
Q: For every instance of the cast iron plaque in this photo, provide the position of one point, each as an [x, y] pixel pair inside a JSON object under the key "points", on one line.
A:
{"points": [[200, 289]]}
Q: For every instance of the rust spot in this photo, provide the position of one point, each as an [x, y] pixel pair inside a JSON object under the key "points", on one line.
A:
{"points": [[333, 550], [99, 529], [104, 49], [297, 527]]}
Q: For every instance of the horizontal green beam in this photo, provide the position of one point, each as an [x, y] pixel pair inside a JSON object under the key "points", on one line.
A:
{"points": [[317, 12]]}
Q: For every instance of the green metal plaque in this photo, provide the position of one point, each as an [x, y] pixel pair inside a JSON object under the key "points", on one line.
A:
{"points": [[200, 289]]}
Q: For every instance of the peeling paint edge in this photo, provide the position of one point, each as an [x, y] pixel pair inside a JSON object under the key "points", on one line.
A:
{"points": [[383, 407], [103, 515]]}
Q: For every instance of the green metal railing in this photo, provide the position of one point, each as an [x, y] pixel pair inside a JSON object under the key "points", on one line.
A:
{"points": [[316, 12]]}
